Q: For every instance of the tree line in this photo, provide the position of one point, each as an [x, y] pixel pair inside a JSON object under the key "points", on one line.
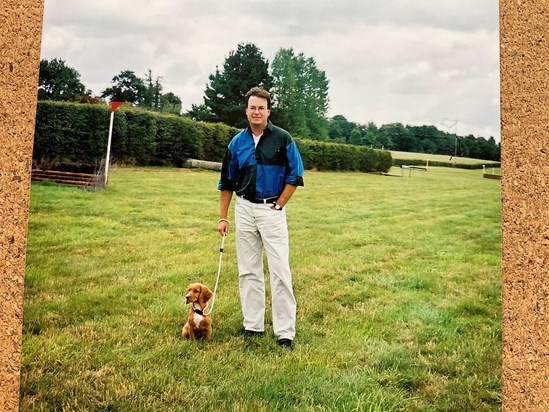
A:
{"points": [[59, 82], [416, 139], [300, 102]]}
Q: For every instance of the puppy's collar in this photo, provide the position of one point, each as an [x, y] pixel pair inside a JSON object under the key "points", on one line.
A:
{"points": [[200, 311]]}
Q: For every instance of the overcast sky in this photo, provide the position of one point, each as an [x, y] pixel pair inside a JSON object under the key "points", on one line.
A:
{"points": [[410, 61]]}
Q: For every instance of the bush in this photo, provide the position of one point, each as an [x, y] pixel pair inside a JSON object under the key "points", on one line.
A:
{"points": [[215, 138], [335, 156], [77, 134], [138, 144], [174, 141], [69, 133]]}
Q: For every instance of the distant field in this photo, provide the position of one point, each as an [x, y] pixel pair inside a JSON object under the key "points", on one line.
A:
{"points": [[438, 158]]}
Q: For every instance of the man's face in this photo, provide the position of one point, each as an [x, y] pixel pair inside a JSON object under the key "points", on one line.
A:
{"points": [[257, 111]]}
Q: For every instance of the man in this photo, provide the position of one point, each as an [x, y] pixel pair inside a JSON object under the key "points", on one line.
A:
{"points": [[263, 166]]}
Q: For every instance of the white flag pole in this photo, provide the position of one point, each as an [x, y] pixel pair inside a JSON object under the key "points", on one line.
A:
{"points": [[109, 149], [114, 106]]}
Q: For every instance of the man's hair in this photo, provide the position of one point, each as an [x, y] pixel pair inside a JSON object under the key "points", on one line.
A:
{"points": [[259, 92]]}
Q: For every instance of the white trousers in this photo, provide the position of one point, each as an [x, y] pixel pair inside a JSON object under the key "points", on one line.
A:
{"points": [[258, 227]]}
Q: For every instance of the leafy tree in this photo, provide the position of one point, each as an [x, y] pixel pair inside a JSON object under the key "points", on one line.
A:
{"points": [[300, 93], [243, 69], [286, 85], [446, 144], [152, 96], [170, 103], [57, 81], [400, 136], [428, 146], [126, 87], [355, 137], [487, 149], [155, 100], [495, 149], [157, 95], [384, 137], [316, 99], [201, 113], [339, 128], [428, 139], [370, 134], [149, 100], [466, 144]]}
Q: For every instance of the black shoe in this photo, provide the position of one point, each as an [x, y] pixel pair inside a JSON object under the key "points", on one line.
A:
{"points": [[253, 334], [285, 343]]}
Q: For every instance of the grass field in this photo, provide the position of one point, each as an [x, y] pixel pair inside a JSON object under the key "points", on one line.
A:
{"points": [[397, 281]]}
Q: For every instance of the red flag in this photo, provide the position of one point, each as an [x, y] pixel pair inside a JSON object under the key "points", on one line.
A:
{"points": [[115, 105]]}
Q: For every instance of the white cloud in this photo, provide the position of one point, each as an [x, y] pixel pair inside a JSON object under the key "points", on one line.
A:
{"points": [[387, 60]]}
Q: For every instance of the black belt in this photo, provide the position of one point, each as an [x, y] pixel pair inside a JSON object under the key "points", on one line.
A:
{"points": [[264, 201]]}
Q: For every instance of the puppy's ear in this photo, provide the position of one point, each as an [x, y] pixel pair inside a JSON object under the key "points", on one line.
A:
{"points": [[205, 295]]}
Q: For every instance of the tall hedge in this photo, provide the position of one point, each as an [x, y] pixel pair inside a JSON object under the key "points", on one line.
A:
{"points": [[69, 133], [78, 133], [334, 156]]}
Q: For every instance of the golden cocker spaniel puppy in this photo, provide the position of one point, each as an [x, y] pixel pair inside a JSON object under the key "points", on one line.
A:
{"points": [[199, 320]]}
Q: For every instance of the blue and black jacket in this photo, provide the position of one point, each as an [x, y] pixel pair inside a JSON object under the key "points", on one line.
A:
{"points": [[261, 172]]}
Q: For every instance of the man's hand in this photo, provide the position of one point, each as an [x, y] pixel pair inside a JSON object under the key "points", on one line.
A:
{"points": [[223, 227]]}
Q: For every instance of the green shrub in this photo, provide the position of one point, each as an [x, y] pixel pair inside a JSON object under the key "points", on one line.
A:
{"points": [[334, 156], [140, 138], [78, 133], [215, 138], [69, 133], [176, 140]]}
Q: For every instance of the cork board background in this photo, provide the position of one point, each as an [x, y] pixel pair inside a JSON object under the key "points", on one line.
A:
{"points": [[524, 48], [524, 45], [20, 34]]}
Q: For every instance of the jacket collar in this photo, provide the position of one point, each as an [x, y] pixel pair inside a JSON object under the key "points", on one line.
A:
{"points": [[269, 127]]}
